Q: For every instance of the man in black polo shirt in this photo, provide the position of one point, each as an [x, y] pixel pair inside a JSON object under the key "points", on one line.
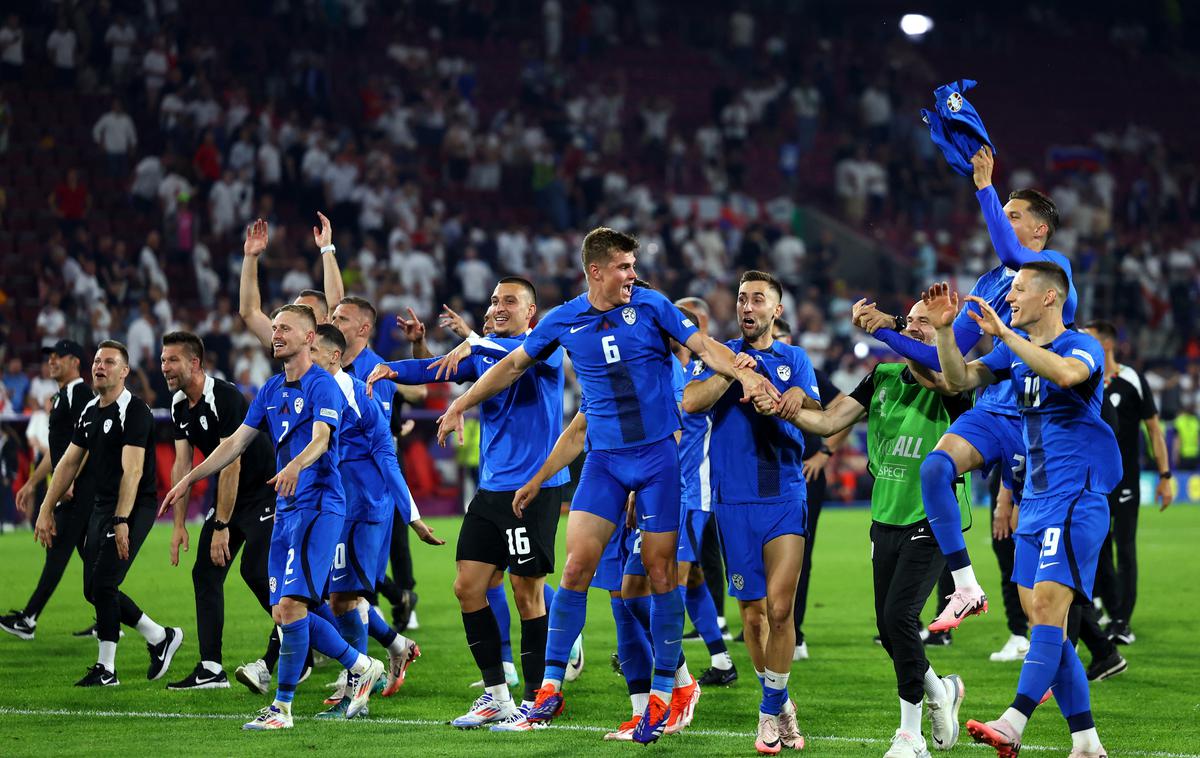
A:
{"points": [[116, 433], [204, 411], [70, 516]]}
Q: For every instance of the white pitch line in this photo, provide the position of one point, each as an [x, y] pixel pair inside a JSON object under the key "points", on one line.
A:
{"points": [[6, 711]]}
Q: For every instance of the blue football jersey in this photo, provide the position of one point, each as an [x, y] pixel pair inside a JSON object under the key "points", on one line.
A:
{"points": [[367, 452], [361, 367], [1069, 447], [290, 410], [623, 360], [519, 425], [756, 458], [695, 471]]}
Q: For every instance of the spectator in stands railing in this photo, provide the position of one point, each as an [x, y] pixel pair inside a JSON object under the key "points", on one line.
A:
{"points": [[12, 49], [62, 48], [70, 203]]}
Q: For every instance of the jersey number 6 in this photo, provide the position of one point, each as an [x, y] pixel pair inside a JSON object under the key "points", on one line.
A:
{"points": [[611, 353]]}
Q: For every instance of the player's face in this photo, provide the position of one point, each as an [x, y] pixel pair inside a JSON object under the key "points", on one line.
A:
{"points": [[109, 369], [290, 333], [177, 366], [757, 307], [511, 310], [318, 307], [919, 327], [1026, 299], [489, 322], [615, 277], [55, 362], [326, 356], [349, 320], [1025, 224]]}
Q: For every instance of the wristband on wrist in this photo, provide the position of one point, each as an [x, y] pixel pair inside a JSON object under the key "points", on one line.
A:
{"points": [[329, 249], [900, 323], [825, 449], [219, 525], [116, 520], [1165, 475]]}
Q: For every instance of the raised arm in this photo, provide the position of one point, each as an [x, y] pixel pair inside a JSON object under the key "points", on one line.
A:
{"points": [[249, 300], [942, 305], [1012, 253], [496, 379], [331, 274], [566, 449], [226, 453]]}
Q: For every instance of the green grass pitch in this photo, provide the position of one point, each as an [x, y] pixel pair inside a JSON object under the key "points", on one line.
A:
{"points": [[846, 693]]}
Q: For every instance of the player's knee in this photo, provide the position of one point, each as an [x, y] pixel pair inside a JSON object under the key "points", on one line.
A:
{"points": [[937, 470], [291, 611], [576, 575], [780, 613], [695, 576], [528, 596], [469, 592]]}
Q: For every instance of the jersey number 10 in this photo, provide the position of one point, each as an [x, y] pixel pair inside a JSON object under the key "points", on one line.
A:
{"points": [[1033, 392]]}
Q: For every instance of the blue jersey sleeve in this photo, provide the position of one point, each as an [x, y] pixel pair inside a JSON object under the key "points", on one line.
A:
{"points": [[419, 371], [669, 318], [966, 336], [1083, 348], [678, 382], [543, 340], [999, 361], [327, 400], [258, 407], [383, 452], [1012, 253]]}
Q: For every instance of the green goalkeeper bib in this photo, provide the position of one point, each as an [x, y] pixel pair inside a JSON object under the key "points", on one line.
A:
{"points": [[904, 423]]}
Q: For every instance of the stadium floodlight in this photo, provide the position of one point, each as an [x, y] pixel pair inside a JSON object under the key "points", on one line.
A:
{"points": [[861, 351], [915, 25]]}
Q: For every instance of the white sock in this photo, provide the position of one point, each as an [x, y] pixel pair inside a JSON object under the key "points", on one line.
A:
{"points": [[399, 645], [556, 683], [151, 630], [762, 675], [776, 680], [639, 701], [1087, 740], [721, 622], [108, 656], [935, 689], [499, 692], [361, 665], [285, 707], [212, 667], [1016, 718], [364, 610], [964, 577], [509, 668], [682, 676], [722, 661], [789, 707], [910, 716]]}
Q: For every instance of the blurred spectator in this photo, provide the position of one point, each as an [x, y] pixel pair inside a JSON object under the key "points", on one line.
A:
{"points": [[70, 203], [16, 381], [61, 47], [42, 389], [116, 135], [12, 49], [51, 321], [121, 37], [142, 338]]}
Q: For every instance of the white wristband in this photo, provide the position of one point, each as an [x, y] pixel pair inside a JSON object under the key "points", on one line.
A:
{"points": [[328, 249]]}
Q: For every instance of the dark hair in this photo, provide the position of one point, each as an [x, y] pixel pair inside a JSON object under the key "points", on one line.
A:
{"points": [[694, 303], [783, 326], [120, 348], [333, 336], [362, 304], [191, 343], [319, 296], [643, 284], [1041, 206], [528, 285], [1105, 329], [600, 242], [304, 311], [762, 276], [1052, 274]]}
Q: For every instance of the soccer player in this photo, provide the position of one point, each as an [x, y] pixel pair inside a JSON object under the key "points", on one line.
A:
{"points": [[70, 516], [116, 434], [204, 411], [905, 415], [1072, 463], [303, 408], [371, 481], [617, 339], [989, 434], [1127, 392], [759, 495], [519, 426]]}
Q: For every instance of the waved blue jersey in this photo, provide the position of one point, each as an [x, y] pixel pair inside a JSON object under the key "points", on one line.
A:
{"points": [[361, 367], [695, 470], [756, 458], [623, 360], [1069, 447], [290, 410], [519, 425], [370, 472]]}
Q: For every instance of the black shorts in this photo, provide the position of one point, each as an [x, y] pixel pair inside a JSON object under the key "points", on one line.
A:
{"points": [[492, 534]]}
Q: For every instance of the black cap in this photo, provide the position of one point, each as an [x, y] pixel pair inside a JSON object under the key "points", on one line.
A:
{"points": [[64, 348]]}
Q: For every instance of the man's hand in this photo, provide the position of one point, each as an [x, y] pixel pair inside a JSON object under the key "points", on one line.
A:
{"points": [[744, 361], [983, 162], [121, 534], [324, 235], [218, 550], [987, 318], [25, 498], [407, 427], [179, 538], [425, 532], [814, 465], [454, 322], [941, 304], [792, 401], [754, 385], [45, 529], [285, 481], [449, 422], [256, 238], [381, 371], [525, 496], [174, 495], [1002, 525], [414, 330], [869, 318], [447, 365], [1164, 494]]}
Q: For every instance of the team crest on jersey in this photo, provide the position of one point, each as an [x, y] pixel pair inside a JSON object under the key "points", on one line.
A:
{"points": [[107, 425], [273, 584], [698, 369], [783, 372], [299, 404], [204, 423], [882, 396], [954, 102], [738, 581], [630, 315]]}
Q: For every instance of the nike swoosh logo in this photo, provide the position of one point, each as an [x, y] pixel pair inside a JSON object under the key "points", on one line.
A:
{"points": [[267, 517], [919, 537], [111, 534], [647, 518], [1047, 565], [183, 426], [552, 629], [675, 642], [163, 655], [337, 578], [289, 581], [1125, 499], [579, 328], [272, 407], [524, 561], [206, 681]]}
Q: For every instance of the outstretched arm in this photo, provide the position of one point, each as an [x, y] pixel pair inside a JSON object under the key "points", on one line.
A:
{"points": [[1012, 253], [331, 274], [249, 300], [496, 379], [841, 414], [720, 359], [226, 453]]}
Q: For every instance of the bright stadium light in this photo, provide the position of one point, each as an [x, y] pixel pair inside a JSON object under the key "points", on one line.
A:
{"points": [[915, 25], [861, 350]]}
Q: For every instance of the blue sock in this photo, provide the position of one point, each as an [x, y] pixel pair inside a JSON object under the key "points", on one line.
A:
{"points": [[324, 611], [353, 630], [293, 648], [548, 596], [941, 507], [498, 601], [327, 641], [1071, 690], [774, 689], [666, 635], [379, 629], [566, 622], [633, 648], [1040, 667], [640, 608], [703, 612]]}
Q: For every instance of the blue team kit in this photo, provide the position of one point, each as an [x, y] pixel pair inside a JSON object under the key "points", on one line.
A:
{"points": [[955, 126]]}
